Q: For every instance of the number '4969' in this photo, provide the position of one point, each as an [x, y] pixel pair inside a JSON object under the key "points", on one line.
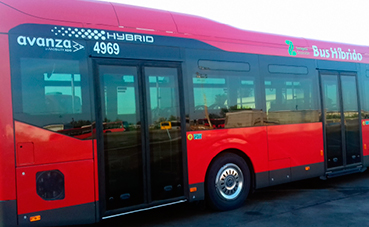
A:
{"points": [[106, 48]]}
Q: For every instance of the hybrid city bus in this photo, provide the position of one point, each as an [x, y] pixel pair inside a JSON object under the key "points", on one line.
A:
{"points": [[109, 109]]}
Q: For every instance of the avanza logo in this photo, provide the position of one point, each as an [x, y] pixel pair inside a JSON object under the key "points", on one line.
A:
{"points": [[50, 43]]}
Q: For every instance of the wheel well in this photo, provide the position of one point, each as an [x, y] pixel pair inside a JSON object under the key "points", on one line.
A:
{"points": [[242, 155]]}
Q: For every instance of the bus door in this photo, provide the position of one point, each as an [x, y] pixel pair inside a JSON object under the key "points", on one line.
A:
{"points": [[341, 119], [142, 161]]}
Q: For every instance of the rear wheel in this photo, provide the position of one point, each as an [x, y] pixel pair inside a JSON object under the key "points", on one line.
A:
{"points": [[228, 182]]}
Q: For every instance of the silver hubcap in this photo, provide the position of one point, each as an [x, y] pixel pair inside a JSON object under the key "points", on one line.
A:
{"points": [[229, 181]]}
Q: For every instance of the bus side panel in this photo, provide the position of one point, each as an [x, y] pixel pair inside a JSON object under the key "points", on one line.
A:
{"points": [[12, 18], [78, 187], [301, 143], [35, 146], [7, 157], [203, 146], [296, 152], [96, 170], [365, 136], [69, 10]]}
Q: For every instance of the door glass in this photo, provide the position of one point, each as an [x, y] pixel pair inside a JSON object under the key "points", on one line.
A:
{"points": [[164, 132], [332, 109], [122, 136], [351, 116]]}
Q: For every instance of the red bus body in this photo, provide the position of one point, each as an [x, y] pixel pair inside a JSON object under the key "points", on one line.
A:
{"points": [[276, 149]]}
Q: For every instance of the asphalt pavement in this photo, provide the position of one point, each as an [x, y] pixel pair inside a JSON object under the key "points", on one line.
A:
{"points": [[341, 201]]}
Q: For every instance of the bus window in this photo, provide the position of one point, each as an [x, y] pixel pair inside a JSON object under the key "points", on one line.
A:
{"points": [[290, 100], [218, 97], [50, 92]]}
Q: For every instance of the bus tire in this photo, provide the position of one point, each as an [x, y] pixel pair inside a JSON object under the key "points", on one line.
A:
{"points": [[228, 182]]}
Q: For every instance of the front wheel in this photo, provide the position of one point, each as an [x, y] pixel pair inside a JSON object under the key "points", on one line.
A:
{"points": [[228, 182]]}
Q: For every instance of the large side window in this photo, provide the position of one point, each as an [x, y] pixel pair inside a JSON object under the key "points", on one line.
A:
{"points": [[53, 94], [54, 91], [224, 100], [290, 99]]}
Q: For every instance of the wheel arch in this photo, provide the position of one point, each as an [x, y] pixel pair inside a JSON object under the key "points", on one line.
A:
{"points": [[239, 153]]}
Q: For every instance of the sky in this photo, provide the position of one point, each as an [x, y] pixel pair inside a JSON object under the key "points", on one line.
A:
{"points": [[343, 21]]}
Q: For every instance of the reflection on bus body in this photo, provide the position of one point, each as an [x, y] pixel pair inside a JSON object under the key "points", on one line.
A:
{"points": [[86, 131]]}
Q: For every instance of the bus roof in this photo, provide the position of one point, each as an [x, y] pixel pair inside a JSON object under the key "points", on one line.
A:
{"points": [[126, 18]]}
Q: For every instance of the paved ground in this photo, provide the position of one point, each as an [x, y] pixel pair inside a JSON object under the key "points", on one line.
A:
{"points": [[341, 201]]}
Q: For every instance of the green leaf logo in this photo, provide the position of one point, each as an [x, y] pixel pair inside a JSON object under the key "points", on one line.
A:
{"points": [[290, 48]]}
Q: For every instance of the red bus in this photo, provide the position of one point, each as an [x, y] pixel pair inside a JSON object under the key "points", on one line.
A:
{"points": [[253, 110]]}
